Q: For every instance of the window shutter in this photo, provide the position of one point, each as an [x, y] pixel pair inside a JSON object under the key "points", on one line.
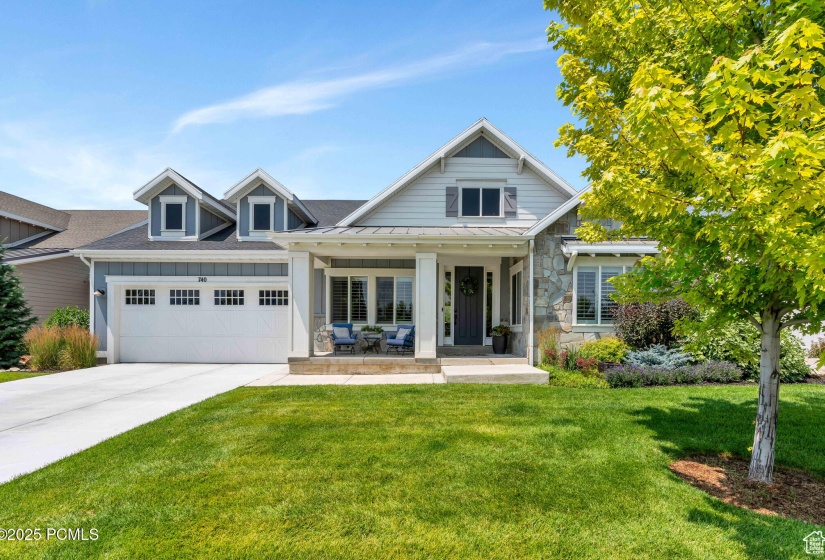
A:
{"points": [[510, 202], [452, 202]]}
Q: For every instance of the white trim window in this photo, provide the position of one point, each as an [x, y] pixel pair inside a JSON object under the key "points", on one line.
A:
{"points": [[262, 213], [480, 201], [173, 215], [592, 304], [516, 293], [394, 300], [349, 299]]}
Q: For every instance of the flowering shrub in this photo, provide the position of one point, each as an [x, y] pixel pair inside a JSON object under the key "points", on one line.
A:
{"points": [[585, 364], [645, 376]]}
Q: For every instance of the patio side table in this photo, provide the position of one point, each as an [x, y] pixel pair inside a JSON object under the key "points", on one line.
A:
{"points": [[373, 343]]}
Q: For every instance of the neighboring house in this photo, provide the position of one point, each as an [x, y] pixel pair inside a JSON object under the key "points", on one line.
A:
{"points": [[38, 241], [479, 233]]}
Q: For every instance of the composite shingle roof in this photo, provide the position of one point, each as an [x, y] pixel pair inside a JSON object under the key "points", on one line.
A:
{"points": [[330, 212], [137, 239], [37, 213]]}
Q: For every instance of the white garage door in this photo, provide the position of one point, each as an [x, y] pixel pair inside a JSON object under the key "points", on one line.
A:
{"points": [[219, 324]]}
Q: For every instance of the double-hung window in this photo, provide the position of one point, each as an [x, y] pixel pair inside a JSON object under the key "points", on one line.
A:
{"points": [[173, 215], [394, 300], [593, 305], [349, 299], [480, 201], [262, 213]]}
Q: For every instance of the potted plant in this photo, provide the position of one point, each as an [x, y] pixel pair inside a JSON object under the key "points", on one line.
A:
{"points": [[500, 334]]}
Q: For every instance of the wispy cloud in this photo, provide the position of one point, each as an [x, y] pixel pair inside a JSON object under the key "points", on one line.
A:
{"points": [[308, 96]]}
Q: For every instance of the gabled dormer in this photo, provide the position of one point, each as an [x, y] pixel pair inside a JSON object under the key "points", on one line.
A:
{"points": [[264, 205], [480, 178], [179, 210]]}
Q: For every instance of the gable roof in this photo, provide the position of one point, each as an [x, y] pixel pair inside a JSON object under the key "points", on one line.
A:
{"points": [[480, 127], [169, 176], [25, 210], [260, 176]]}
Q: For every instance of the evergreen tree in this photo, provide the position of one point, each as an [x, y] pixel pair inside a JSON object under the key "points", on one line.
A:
{"points": [[15, 316]]}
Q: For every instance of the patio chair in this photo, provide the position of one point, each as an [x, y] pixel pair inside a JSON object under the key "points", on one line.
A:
{"points": [[343, 336], [403, 341]]}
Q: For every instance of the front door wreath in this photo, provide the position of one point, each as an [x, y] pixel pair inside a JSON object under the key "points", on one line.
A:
{"points": [[469, 286]]}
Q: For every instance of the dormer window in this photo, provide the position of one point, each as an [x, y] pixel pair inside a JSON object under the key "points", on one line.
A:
{"points": [[480, 202], [262, 213], [173, 215]]}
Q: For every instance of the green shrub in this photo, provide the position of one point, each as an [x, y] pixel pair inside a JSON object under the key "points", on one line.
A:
{"points": [[64, 348], [739, 342], [642, 325], [79, 348], [560, 377], [67, 317], [659, 356], [609, 349], [43, 345]]}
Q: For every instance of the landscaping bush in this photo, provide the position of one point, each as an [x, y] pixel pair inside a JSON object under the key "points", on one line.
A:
{"points": [[67, 317], [569, 359], [738, 342], [642, 325], [609, 349], [79, 348], [590, 379], [547, 339], [817, 348], [43, 345], [632, 375], [659, 356], [54, 348]]}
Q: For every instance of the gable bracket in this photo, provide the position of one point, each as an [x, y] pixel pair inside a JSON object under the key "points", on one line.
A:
{"points": [[520, 164]]}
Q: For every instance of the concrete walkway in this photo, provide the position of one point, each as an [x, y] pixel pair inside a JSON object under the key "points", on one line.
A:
{"points": [[43, 419], [332, 379]]}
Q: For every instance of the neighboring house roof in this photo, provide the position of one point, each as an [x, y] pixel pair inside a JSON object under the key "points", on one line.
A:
{"points": [[15, 256], [482, 126], [137, 239], [330, 212], [17, 208]]}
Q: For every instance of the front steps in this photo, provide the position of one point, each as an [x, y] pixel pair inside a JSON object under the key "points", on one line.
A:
{"points": [[453, 370]]}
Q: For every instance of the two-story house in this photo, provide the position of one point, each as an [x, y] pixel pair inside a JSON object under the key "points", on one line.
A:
{"points": [[479, 233]]}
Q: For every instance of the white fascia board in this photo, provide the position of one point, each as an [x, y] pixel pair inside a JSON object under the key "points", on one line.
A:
{"points": [[553, 216], [582, 249], [144, 194], [28, 239], [15, 217], [241, 187], [275, 255], [481, 125]]}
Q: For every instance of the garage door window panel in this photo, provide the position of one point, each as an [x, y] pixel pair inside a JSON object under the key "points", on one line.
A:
{"points": [[229, 297], [273, 297], [140, 297], [184, 297]]}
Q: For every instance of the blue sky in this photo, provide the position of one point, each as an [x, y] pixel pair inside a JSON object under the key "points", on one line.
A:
{"points": [[334, 99]]}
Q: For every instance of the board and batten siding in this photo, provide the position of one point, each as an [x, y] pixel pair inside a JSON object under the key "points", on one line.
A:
{"points": [[121, 268], [54, 283], [155, 210], [209, 221], [12, 231], [243, 209], [423, 202]]}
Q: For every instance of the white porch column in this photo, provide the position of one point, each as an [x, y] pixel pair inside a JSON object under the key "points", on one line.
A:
{"points": [[426, 305], [301, 297]]}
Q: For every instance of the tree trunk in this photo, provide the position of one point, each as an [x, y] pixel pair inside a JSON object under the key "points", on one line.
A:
{"points": [[764, 438]]}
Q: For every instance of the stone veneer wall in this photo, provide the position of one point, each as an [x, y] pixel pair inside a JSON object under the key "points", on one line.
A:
{"points": [[322, 340]]}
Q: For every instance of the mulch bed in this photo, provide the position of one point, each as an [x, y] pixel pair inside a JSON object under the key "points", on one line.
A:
{"points": [[794, 493]]}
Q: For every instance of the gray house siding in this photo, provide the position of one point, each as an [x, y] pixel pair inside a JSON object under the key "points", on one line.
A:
{"points": [[55, 283], [191, 209], [294, 222], [209, 221], [243, 210], [12, 231], [118, 268]]}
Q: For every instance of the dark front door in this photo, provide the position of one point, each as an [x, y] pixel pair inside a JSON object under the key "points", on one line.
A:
{"points": [[469, 309]]}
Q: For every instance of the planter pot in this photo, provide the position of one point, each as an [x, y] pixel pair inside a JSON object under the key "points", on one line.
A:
{"points": [[499, 344]]}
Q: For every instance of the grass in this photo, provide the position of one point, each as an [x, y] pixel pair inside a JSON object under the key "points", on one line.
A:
{"points": [[15, 375], [449, 471]]}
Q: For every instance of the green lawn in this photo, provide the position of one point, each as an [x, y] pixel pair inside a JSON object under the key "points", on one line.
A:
{"points": [[15, 375], [448, 471]]}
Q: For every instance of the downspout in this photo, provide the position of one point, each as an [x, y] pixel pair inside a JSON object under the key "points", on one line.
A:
{"points": [[530, 358]]}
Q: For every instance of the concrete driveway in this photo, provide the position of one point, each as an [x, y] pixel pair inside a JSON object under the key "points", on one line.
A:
{"points": [[43, 419]]}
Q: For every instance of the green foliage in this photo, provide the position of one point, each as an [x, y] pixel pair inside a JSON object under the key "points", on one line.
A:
{"points": [[608, 349], [642, 325], [702, 124], [68, 316], [739, 342], [659, 356], [501, 330], [372, 329], [65, 348], [575, 379], [15, 316], [547, 339]]}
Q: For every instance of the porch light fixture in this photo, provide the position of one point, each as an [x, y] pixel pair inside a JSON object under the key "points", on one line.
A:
{"points": [[100, 293]]}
